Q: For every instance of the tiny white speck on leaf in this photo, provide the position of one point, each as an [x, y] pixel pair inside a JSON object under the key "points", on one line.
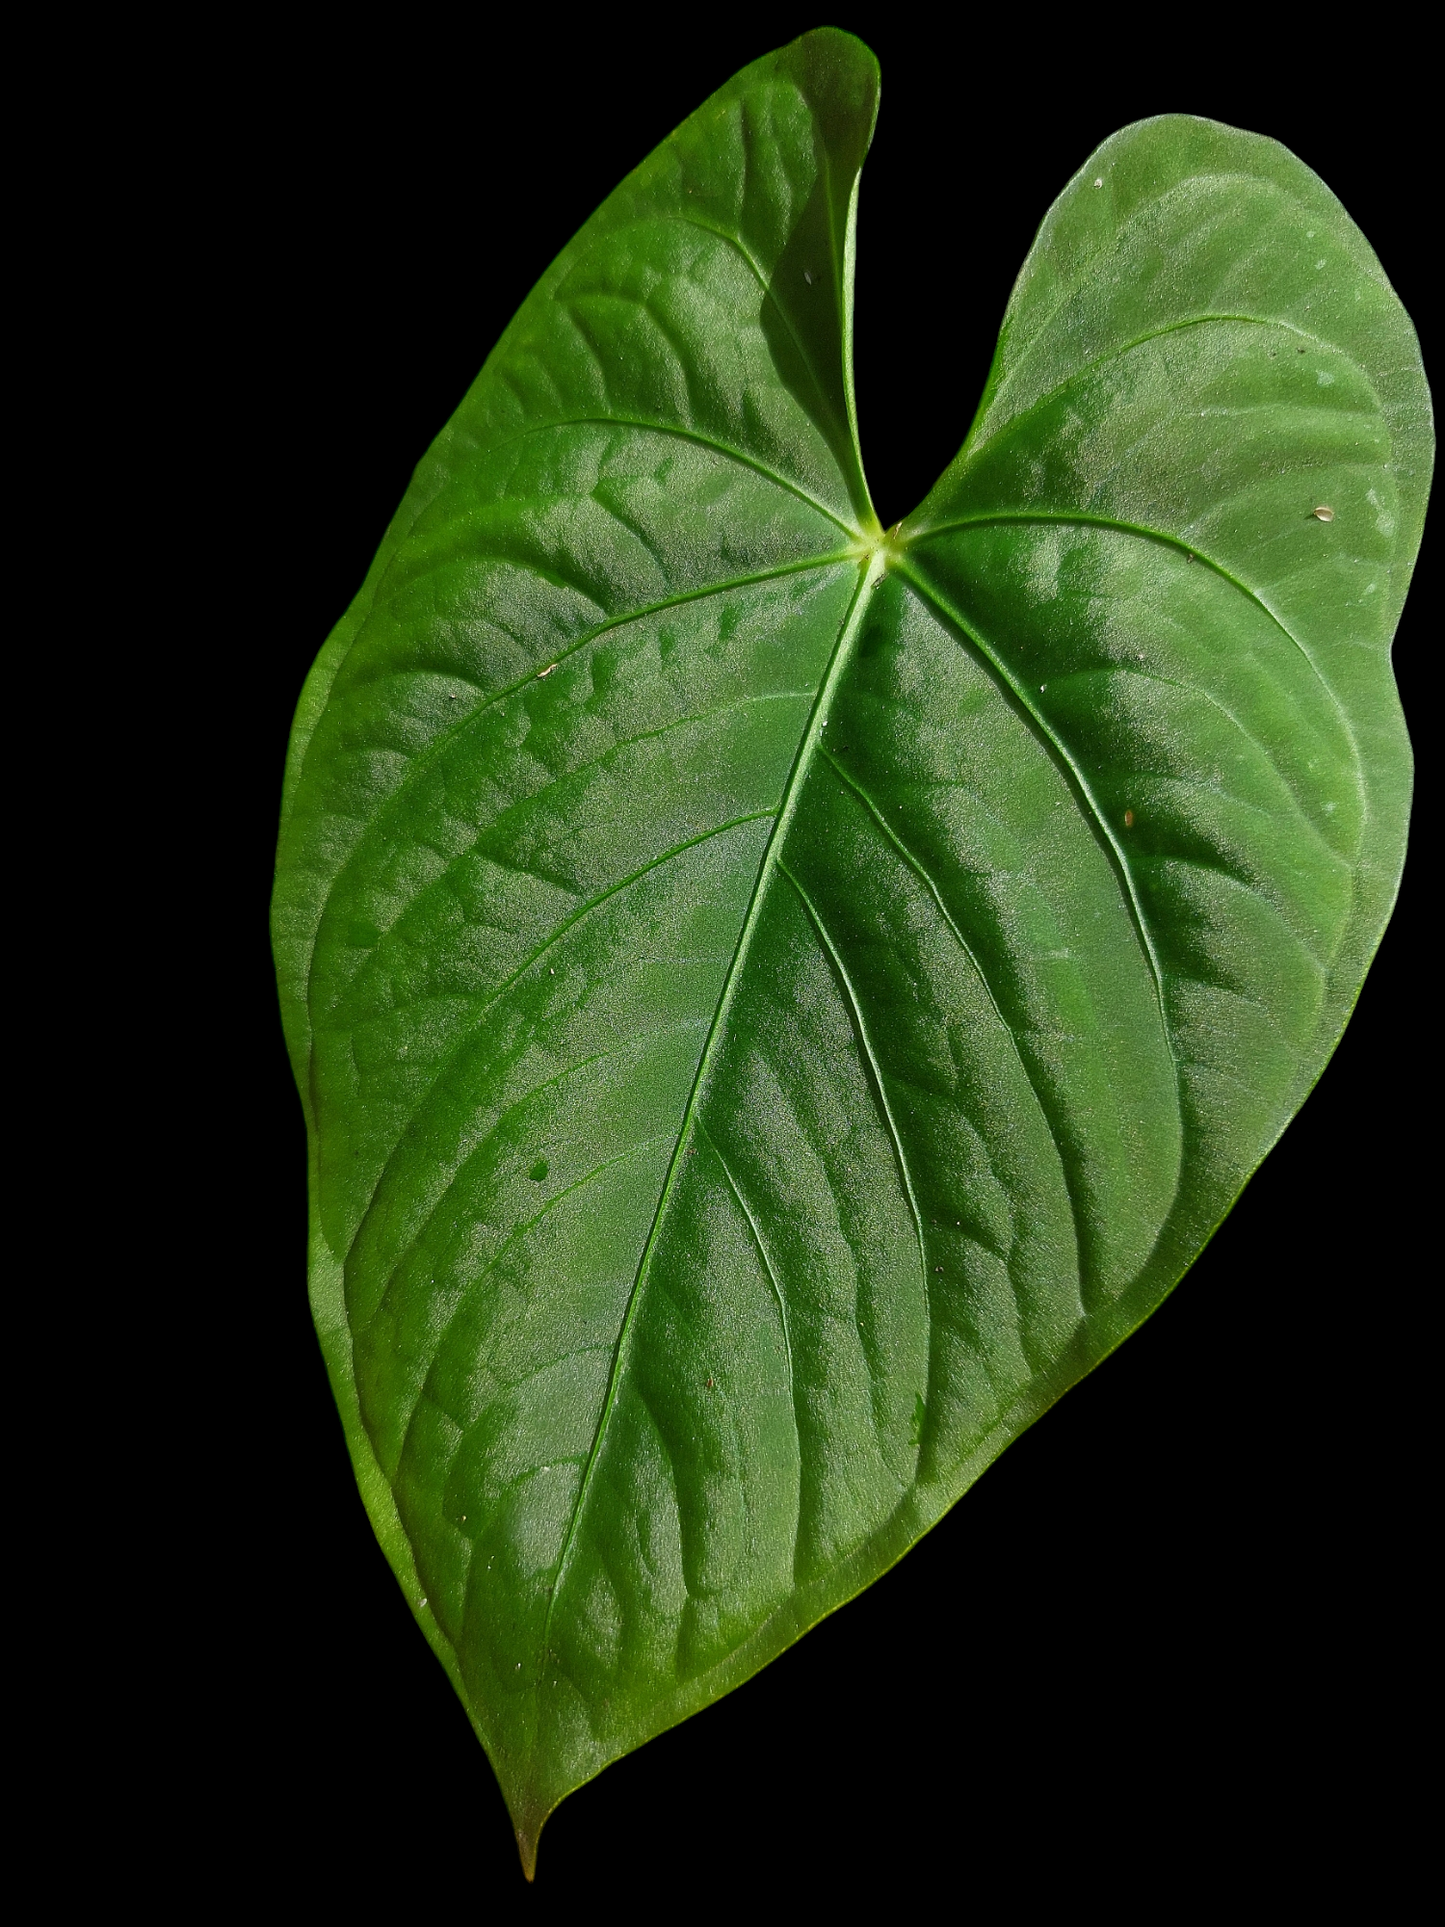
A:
{"points": [[543, 674], [1099, 180], [807, 277], [1323, 513]]}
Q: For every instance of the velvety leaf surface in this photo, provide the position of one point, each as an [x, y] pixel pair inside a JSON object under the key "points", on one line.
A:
{"points": [[776, 1003]]}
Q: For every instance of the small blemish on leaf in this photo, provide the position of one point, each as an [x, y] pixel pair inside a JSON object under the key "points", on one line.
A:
{"points": [[1324, 513], [543, 674], [1128, 819], [538, 1171], [1098, 180], [920, 1418]]}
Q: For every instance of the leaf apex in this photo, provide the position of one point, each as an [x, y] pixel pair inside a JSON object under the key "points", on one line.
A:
{"points": [[527, 1838]]}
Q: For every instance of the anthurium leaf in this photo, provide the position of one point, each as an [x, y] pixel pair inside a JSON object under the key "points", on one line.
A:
{"points": [[776, 1003]]}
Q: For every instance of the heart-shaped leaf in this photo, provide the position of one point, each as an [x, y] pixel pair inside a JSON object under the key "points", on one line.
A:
{"points": [[777, 1002]]}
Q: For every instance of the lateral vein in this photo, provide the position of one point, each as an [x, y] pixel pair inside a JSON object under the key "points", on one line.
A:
{"points": [[1117, 354], [1059, 750], [700, 441], [447, 738], [846, 777], [1075, 518], [583, 910], [747, 1212], [856, 1006]]}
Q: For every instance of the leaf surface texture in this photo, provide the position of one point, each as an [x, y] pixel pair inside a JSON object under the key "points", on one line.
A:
{"points": [[776, 1003]]}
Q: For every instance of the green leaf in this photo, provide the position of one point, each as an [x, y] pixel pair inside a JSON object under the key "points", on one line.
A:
{"points": [[776, 1002]]}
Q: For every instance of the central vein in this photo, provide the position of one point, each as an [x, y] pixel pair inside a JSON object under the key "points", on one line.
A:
{"points": [[874, 554]]}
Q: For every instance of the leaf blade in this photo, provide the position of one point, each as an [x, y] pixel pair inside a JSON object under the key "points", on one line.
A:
{"points": [[734, 1139]]}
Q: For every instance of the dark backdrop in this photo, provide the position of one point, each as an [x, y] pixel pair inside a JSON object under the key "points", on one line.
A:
{"points": [[1162, 1647]]}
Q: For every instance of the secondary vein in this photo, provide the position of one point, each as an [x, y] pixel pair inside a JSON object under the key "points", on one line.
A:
{"points": [[1060, 751], [1075, 518], [747, 1212], [856, 1006], [449, 736], [568, 923], [850, 781]]}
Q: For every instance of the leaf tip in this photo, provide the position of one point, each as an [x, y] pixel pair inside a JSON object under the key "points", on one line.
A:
{"points": [[527, 1847]]}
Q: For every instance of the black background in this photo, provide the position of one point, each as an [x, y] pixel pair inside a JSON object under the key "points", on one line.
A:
{"points": [[1163, 1650]]}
